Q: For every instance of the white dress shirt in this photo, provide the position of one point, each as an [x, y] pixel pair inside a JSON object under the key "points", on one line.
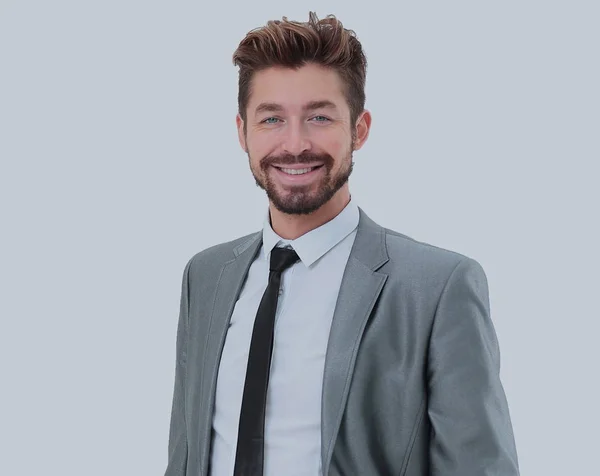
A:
{"points": [[307, 298]]}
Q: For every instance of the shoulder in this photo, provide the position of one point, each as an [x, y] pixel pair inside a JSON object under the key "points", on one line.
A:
{"points": [[214, 257], [425, 262]]}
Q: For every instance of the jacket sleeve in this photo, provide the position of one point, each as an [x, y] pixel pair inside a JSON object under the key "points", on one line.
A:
{"points": [[177, 450], [471, 431]]}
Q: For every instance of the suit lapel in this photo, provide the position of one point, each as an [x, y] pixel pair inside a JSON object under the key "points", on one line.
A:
{"points": [[228, 290], [359, 290]]}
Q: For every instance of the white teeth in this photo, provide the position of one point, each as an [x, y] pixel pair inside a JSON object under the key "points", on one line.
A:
{"points": [[297, 171]]}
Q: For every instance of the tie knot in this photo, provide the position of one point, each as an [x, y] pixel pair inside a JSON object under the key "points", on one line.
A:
{"points": [[282, 258]]}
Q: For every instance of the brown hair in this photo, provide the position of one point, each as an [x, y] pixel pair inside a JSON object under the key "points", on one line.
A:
{"points": [[293, 44]]}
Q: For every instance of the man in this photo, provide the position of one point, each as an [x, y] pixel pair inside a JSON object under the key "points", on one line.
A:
{"points": [[325, 343]]}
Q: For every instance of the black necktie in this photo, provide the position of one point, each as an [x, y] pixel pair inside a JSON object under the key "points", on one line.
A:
{"points": [[250, 444]]}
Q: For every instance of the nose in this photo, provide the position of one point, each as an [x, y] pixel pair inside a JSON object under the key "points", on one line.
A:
{"points": [[296, 140]]}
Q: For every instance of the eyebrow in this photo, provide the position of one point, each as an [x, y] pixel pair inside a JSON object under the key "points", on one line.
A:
{"points": [[310, 106]]}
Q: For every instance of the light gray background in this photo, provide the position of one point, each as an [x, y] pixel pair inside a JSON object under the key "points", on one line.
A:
{"points": [[119, 161]]}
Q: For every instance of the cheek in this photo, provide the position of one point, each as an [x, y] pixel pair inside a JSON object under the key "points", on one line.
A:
{"points": [[259, 148], [335, 147], [335, 143], [256, 146]]}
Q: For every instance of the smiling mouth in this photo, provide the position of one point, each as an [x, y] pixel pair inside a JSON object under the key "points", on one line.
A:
{"points": [[298, 171], [298, 176]]}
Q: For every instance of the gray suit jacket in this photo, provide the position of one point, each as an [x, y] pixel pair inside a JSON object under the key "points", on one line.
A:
{"points": [[411, 384]]}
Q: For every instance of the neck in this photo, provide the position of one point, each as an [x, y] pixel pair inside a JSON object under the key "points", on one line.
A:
{"points": [[290, 227]]}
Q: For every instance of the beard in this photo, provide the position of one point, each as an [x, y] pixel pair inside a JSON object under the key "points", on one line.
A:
{"points": [[306, 198]]}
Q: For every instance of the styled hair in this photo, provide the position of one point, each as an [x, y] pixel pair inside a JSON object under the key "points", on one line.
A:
{"points": [[294, 44]]}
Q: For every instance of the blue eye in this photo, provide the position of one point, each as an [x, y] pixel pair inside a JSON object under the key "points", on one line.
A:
{"points": [[322, 117], [268, 119]]}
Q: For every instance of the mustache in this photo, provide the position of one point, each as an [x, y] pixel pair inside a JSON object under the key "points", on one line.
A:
{"points": [[290, 159]]}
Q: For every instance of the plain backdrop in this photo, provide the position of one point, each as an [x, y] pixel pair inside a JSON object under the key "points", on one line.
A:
{"points": [[120, 160]]}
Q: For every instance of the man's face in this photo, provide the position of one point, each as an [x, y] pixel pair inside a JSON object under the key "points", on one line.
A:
{"points": [[298, 117]]}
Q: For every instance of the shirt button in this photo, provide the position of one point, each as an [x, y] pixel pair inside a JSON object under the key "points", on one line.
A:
{"points": [[280, 291]]}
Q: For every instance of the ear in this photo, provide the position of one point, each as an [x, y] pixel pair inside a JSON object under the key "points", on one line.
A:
{"points": [[363, 126], [240, 128]]}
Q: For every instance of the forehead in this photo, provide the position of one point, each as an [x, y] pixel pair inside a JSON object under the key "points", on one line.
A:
{"points": [[294, 88]]}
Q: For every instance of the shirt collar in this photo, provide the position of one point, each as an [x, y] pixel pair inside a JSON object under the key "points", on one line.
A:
{"points": [[313, 245]]}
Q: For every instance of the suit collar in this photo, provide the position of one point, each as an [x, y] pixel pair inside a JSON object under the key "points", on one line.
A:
{"points": [[369, 246]]}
